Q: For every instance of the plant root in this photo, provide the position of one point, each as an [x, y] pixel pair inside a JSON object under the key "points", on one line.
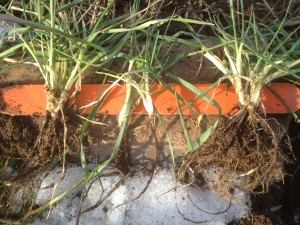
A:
{"points": [[50, 141], [244, 152]]}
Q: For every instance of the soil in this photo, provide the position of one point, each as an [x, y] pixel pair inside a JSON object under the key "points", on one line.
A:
{"points": [[18, 134], [285, 195], [244, 144], [197, 9]]}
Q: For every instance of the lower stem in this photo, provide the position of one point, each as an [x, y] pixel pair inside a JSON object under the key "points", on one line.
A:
{"points": [[243, 97], [55, 103], [256, 96]]}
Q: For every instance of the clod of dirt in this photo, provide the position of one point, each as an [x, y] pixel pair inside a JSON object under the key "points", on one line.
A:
{"points": [[244, 151], [50, 141], [20, 138], [58, 133], [17, 137]]}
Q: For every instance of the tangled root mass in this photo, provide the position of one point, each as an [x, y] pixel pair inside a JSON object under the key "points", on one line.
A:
{"points": [[244, 152]]}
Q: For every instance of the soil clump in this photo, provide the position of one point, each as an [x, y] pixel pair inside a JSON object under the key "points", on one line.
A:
{"points": [[17, 137], [284, 197], [244, 151], [28, 148]]}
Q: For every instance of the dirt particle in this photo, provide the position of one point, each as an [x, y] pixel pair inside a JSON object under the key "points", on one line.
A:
{"points": [[105, 209]]}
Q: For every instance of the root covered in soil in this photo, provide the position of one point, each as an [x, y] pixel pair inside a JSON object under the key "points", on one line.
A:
{"points": [[51, 139], [55, 136], [243, 152], [59, 134]]}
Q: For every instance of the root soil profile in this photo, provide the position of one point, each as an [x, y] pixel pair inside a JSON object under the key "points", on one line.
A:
{"points": [[35, 147], [21, 138], [50, 140], [243, 152], [59, 133]]}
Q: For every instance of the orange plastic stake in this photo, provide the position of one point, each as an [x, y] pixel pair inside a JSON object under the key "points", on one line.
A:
{"points": [[23, 100], [31, 99]]}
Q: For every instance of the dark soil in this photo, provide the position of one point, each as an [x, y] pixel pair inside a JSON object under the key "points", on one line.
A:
{"points": [[240, 144], [17, 136], [244, 143], [268, 10], [284, 195], [29, 147], [50, 141]]}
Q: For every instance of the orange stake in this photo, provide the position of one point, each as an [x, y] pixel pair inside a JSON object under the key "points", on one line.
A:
{"points": [[31, 99]]}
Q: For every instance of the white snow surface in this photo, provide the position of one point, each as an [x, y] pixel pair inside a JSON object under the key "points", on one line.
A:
{"points": [[163, 203]]}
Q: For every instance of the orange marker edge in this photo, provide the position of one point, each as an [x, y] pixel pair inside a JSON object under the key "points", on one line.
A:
{"points": [[31, 99]]}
